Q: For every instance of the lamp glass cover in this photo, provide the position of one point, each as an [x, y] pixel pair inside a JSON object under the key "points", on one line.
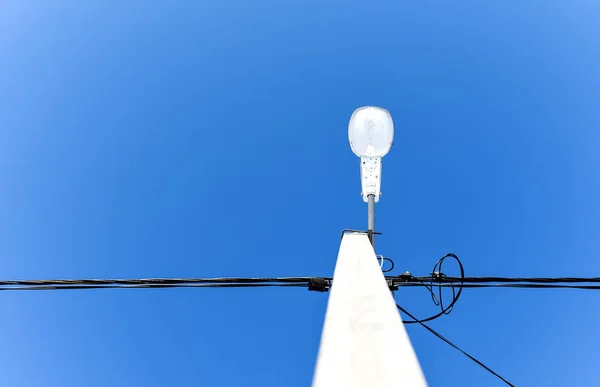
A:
{"points": [[371, 131]]}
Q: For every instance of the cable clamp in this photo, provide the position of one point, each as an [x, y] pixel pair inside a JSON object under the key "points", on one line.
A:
{"points": [[318, 284], [437, 276]]}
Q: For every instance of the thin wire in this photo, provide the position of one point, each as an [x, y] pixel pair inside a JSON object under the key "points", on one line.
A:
{"points": [[437, 275], [383, 259], [454, 345]]}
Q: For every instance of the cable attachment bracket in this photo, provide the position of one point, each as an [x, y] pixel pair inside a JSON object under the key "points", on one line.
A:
{"points": [[368, 232], [319, 284]]}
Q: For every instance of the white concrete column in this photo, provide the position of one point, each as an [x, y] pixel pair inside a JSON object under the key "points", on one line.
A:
{"points": [[364, 342]]}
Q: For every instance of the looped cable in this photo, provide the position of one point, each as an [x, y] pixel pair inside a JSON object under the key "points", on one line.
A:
{"points": [[437, 275], [383, 259]]}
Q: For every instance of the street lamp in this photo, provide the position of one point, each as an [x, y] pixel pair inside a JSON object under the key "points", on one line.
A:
{"points": [[371, 133]]}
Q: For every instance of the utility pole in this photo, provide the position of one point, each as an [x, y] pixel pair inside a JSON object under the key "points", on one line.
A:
{"points": [[364, 342]]}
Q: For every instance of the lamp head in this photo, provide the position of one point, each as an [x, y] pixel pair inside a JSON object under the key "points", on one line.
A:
{"points": [[371, 131]]}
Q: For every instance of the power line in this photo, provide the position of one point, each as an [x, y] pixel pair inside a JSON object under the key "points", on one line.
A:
{"points": [[136, 281], [319, 283], [509, 285], [148, 286], [454, 345], [235, 282], [448, 279], [524, 279]]}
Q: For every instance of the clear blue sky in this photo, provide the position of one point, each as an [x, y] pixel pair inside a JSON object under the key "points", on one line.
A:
{"points": [[208, 138]]}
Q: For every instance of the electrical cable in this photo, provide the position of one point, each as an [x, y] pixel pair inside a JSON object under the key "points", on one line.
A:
{"points": [[437, 280], [161, 283], [437, 275], [158, 281], [448, 279], [383, 259], [147, 286], [509, 285], [454, 345]]}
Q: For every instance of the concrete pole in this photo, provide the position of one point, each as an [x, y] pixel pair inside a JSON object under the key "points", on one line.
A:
{"points": [[364, 343]]}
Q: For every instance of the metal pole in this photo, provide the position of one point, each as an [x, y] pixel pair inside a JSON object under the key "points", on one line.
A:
{"points": [[371, 227]]}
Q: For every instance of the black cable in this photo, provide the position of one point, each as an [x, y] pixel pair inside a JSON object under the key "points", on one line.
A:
{"points": [[240, 285], [502, 285], [147, 286], [437, 275], [161, 283], [389, 260], [448, 279], [158, 281], [440, 280], [454, 345]]}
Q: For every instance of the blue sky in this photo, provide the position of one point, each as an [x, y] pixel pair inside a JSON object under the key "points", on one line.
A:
{"points": [[198, 138]]}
